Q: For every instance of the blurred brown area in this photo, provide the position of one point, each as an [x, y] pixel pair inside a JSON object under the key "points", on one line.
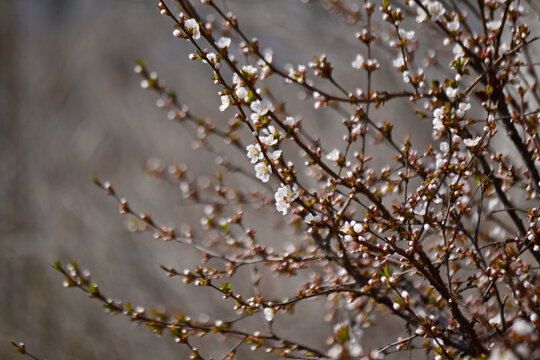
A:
{"points": [[71, 108]]}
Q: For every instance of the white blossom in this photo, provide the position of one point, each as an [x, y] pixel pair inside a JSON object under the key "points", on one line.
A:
{"points": [[260, 107], [421, 15], [284, 196], [241, 92], [522, 327], [268, 135], [290, 121], [407, 35], [225, 102], [177, 33], [335, 351], [274, 155], [193, 27], [438, 113], [472, 142], [249, 69], [310, 219], [444, 147], [494, 25], [454, 24], [263, 171], [358, 62], [458, 51], [451, 92], [223, 43], [268, 314], [438, 124], [254, 153], [436, 10], [212, 56], [502, 355], [333, 155], [398, 62], [463, 107]]}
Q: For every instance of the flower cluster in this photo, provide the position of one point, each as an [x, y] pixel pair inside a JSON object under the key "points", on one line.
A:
{"points": [[423, 210]]}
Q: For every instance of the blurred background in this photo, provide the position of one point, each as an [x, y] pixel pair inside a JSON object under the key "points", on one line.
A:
{"points": [[70, 108]]}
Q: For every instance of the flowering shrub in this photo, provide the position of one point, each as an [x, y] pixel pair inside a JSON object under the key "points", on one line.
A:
{"points": [[443, 235]]}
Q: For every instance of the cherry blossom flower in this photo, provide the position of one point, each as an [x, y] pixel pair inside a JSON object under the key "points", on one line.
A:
{"points": [[274, 155], [463, 107], [193, 27], [454, 24], [436, 10], [451, 92], [421, 15], [260, 108], [177, 33], [223, 43], [494, 25], [241, 92], [310, 219], [263, 171], [249, 69], [502, 355], [268, 135], [407, 35], [438, 115], [358, 62], [333, 155], [458, 51], [472, 142], [444, 147], [290, 121], [225, 102], [398, 62], [254, 153], [268, 314], [284, 196]]}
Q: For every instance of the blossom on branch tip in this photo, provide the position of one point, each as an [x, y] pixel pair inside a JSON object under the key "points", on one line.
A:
{"points": [[241, 92], [494, 25], [193, 27], [310, 219], [334, 155], [274, 155], [268, 314], [263, 171], [254, 153], [249, 69], [454, 24], [284, 196], [472, 142], [435, 8], [407, 35], [223, 43], [260, 107], [177, 33], [290, 121], [358, 62], [463, 107], [225, 102], [269, 136], [398, 62]]}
